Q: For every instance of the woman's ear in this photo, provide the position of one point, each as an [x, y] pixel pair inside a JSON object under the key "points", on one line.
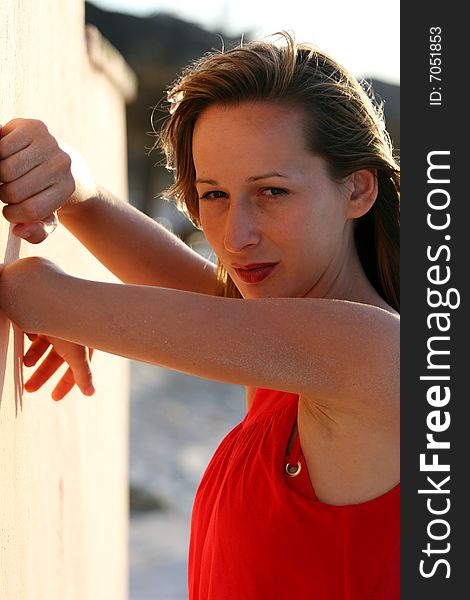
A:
{"points": [[363, 188]]}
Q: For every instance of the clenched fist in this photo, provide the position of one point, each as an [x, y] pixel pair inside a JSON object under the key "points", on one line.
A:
{"points": [[35, 178]]}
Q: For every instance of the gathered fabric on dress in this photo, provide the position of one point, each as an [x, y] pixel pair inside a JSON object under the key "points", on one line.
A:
{"points": [[258, 533]]}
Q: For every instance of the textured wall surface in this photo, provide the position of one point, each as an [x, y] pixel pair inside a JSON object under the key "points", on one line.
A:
{"points": [[63, 466]]}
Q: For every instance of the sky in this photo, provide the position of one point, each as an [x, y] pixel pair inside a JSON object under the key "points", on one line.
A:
{"points": [[363, 35]]}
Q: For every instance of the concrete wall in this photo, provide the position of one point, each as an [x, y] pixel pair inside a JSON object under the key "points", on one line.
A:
{"points": [[63, 466]]}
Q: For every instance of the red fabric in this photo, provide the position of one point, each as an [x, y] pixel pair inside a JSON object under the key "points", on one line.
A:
{"points": [[257, 533]]}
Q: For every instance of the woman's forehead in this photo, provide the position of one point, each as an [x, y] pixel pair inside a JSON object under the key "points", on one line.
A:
{"points": [[249, 131], [249, 114]]}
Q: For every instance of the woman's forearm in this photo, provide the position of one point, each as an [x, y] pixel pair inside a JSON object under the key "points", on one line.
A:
{"points": [[177, 329], [181, 330], [134, 247]]}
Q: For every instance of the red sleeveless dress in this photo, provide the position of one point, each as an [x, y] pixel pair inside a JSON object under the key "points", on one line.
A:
{"points": [[257, 533]]}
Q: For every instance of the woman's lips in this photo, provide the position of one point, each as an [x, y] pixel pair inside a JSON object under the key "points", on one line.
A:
{"points": [[255, 272]]}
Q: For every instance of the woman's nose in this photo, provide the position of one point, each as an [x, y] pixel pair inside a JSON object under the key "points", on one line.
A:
{"points": [[241, 228]]}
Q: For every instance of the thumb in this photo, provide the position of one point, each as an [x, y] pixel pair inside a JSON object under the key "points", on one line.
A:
{"points": [[35, 233]]}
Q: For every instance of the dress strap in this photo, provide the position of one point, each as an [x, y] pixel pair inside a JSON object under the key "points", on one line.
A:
{"points": [[293, 465]]}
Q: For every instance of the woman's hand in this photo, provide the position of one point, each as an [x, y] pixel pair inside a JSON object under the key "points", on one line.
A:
{"points": [[77, 357], [35, 178], [32, 271]]}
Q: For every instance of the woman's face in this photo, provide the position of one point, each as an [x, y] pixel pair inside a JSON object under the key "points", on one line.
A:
{"points": [[269, 209]]}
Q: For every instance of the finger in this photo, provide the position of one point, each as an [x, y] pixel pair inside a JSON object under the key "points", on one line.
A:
{"points": [[44, 372], [79, 362], [36, 233], [37, 349], [32, 183], [40, 206], [20, 163], [79, 374], [64, 386], [17, 134], [32, 336]]}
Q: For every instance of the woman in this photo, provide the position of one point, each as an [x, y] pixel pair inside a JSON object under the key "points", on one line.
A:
{"points": [[284, 162]]}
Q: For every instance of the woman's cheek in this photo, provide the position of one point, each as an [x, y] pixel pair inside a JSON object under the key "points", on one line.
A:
{"points": [[212, 227]]}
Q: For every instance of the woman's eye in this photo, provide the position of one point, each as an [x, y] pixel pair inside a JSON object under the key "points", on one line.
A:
{"points": [[213, 195], [273, 191]]}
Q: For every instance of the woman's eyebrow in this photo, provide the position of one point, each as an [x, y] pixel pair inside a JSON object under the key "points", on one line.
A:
{"points": [[249, 179], [209, 181], [266, 176]]}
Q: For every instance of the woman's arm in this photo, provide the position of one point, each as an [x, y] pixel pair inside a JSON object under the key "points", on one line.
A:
{"points": [[134, 247], [39, 177], [342, 353]]}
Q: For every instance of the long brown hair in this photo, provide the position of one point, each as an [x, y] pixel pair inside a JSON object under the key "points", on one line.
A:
{"points": [[344, 126]]}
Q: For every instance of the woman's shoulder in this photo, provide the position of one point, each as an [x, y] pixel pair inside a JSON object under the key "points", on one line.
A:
{"points": [[350, 436], [363, 340]]}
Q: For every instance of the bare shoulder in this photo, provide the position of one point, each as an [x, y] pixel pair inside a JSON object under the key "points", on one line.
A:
{"points": [[351, 436], [361, 358]]}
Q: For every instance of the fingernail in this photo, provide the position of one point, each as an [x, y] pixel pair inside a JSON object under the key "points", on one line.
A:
{"points": [[90, 390]]}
